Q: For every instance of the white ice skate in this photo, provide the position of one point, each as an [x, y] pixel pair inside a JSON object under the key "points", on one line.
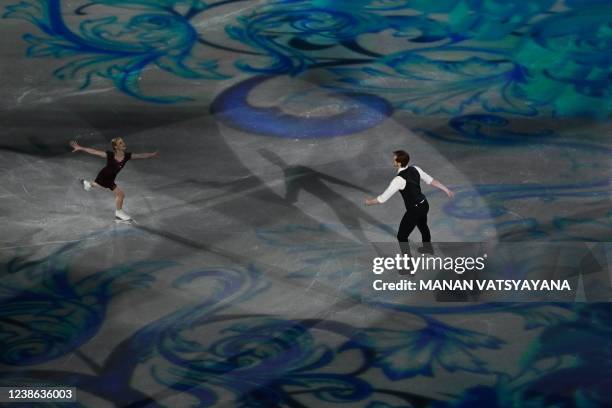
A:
{"points": [[85, 184], [122, 217]]}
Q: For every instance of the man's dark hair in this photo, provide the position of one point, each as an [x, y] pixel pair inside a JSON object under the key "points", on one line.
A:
{"points": [[402, 157]]}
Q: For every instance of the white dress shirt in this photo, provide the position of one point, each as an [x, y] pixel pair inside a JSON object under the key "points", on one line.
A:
{"points": [[399, 183]]}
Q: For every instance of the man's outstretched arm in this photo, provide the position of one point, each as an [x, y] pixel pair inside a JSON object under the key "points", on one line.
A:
{"points": [[372, 201], [394, 187], [442, 187], [433, 182]]}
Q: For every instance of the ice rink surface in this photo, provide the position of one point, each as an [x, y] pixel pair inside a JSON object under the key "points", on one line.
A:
{"points": [[240, 283]]}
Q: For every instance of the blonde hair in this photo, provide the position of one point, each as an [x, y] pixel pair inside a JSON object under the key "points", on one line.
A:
{"points": [[114, 142]]}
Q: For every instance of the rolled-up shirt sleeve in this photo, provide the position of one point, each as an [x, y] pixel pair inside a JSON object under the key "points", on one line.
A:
{"points": [[396, 184], [424, 176]]}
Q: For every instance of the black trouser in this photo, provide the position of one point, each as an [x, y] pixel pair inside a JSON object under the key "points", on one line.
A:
{"points": [[414, 217]]}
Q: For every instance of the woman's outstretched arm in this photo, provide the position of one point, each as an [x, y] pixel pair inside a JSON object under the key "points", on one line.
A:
{"points": [[76, 147], [145, 155]]}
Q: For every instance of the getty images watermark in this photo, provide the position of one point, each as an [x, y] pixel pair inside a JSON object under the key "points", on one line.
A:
{"points": [[455, 273]]}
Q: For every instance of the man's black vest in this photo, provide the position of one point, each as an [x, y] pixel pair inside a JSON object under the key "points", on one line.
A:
{"points": [[412, 192]]}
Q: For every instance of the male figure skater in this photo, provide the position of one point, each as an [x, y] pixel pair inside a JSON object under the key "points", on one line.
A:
{"points": [[407, 182], [115, 160]]}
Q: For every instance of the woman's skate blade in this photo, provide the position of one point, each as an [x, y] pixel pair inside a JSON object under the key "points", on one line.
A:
{"points": [[120, 221]]}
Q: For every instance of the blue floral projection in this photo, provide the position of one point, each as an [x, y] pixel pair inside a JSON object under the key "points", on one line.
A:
{"points": [[516, 57], [44, 315], [231, 107], [495, 132], [481, 65], [204, 352]]}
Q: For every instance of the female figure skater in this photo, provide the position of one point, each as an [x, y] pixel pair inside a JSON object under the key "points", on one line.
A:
{"points": [[115, 160]]}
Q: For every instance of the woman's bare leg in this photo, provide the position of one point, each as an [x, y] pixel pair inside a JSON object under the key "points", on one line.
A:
{"points": [[119, 196]]}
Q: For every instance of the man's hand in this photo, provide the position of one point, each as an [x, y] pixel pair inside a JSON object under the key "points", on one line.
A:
{"points": [[442, 187], [75, 146], [371, 201], [155, 155]]}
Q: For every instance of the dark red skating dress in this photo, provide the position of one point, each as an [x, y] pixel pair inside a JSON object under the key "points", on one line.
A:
{"points": [[106, 177]]}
